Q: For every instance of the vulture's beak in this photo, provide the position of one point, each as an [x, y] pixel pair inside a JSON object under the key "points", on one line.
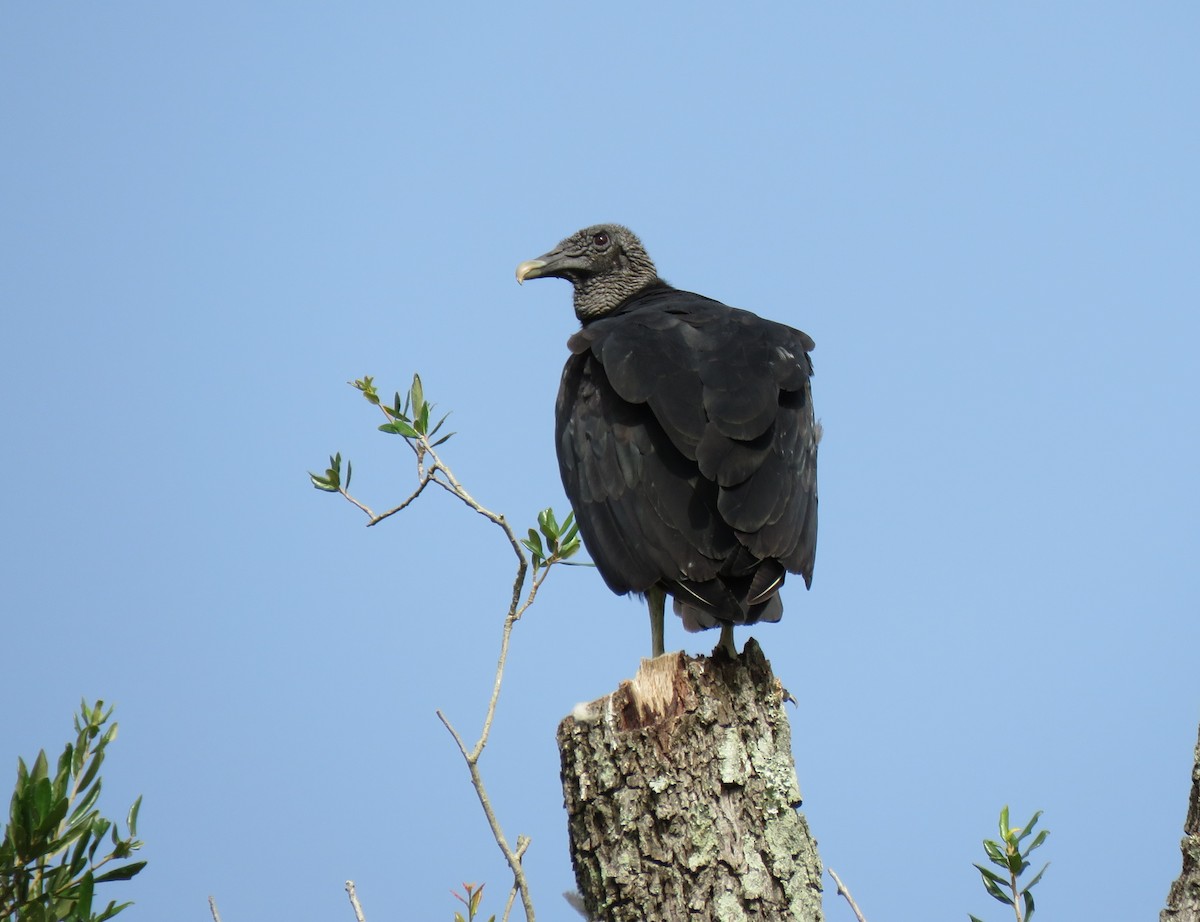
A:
{"points": [[529, 269], [559, 264]]}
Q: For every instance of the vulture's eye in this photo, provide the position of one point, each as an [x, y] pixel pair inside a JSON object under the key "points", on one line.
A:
{"points": [[601, 239]]}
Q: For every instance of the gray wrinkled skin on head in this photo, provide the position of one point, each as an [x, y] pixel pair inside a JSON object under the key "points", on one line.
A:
{"points": [[614, 273]]}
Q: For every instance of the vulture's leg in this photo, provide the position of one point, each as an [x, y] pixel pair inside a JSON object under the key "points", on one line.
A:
{"points": [[727, 639], [657, 600]]}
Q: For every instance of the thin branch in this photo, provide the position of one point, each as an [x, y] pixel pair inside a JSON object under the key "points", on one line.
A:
{"points": [[515, 610], [212, 907], [1016, 901], [365, 509], [376, 518], [513, 857], [842, 891], [508, 904], [522, 844], [358, 913], [486, 731], [462, 747]]}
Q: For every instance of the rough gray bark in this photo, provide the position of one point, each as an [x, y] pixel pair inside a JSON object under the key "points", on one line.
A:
{"points": [[681, 797], [1183, 901]]}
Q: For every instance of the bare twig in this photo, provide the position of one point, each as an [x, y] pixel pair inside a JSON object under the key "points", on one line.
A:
{"points": [[842, 891], [358, 913], [516, 609], [212, 907], [514, 615], [462, 747], [376, 518], [512, 856]]}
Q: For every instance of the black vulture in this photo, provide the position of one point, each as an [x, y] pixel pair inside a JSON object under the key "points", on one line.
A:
{"points": [[686, 438]]}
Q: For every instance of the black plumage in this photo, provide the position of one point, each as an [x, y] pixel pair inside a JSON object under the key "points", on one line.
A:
{"points": [[686, 437]]}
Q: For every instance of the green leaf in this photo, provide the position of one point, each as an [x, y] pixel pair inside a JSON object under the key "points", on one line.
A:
{"points": [[125, 872], [1016, 864], [111, 910], [399, 427], [349, 472], [991, 875], [997, 893], [1038, 840], [42, 794], [100, 826], [63, 776], [417, 392], [422, 424], [1029, 826], [83, 896], [1028, 898], [132, 817], [89, 774], [367, 386], [995, 853], [1036, 877], [571, 528], [333, 475], [54, 815], [974, 918], [99, 829], [322, 483], [78, 859], [1004, 830], [533, 544]]}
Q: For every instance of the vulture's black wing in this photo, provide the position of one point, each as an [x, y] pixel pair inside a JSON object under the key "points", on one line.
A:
{"points": [[687, 447]]}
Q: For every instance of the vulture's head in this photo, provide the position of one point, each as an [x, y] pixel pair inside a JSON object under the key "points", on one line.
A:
{"points": [[606, 263]]}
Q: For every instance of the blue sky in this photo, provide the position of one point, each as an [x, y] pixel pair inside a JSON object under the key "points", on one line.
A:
{"points": [[215, 216]]}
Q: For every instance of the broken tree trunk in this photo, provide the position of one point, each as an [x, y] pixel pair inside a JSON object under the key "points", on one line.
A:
{"points": [[681, 797], [1183, 901]]}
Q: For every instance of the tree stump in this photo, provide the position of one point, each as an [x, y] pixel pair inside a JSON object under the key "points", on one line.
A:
{"points": [[682, 797], [1183, 901]]}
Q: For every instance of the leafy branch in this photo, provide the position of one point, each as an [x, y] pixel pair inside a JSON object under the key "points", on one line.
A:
{"points": [[550, 544], [50, 854], [1007, 855], [473, 894]]}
